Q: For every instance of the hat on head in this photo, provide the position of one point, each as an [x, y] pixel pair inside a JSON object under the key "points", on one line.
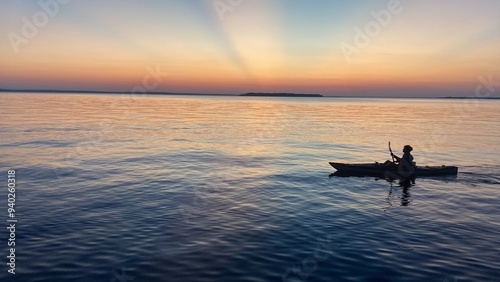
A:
{"points": [[408, 147]]}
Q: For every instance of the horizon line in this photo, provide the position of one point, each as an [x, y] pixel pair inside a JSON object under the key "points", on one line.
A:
{"points": [[77, 91]]}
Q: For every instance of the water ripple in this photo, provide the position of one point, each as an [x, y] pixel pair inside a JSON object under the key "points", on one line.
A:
{"points": [[216, 189]]}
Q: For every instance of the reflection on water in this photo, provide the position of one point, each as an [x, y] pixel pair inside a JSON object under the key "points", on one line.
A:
{"points": [[234, 189], [404, 185]]}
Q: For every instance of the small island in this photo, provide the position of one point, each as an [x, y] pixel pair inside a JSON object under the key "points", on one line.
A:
{"points": [[252, 94]]}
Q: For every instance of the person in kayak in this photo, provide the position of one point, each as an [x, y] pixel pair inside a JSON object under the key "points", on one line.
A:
{"points": [[407, 158], [405, 165]]}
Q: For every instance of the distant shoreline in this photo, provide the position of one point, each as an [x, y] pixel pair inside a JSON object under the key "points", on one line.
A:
{"points": [[251, 94], [230, 95]]}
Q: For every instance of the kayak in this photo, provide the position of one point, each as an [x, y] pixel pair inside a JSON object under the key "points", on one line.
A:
{"points": [[379, 169]]}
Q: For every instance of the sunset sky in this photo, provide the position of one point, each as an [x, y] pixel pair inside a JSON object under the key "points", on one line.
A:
{"points": [[416, 48]]}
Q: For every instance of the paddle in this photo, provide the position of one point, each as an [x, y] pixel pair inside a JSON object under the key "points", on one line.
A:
{"points": [[392, 155]]}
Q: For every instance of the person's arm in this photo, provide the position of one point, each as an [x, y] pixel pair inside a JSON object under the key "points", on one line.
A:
{"points": [[398, 159]]}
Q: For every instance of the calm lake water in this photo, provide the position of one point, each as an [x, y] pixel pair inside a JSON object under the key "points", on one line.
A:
{"points": [[178, 188]]}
